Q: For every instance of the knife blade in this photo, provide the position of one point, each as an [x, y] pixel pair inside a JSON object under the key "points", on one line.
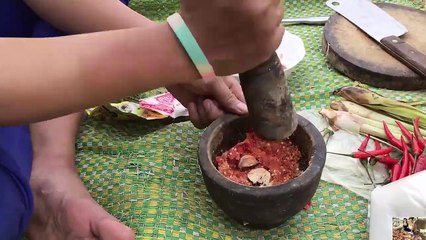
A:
{"points": [[383, 28]]}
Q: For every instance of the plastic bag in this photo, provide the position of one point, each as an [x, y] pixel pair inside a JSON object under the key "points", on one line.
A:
{"points": [[161, 106], [401, 199]]}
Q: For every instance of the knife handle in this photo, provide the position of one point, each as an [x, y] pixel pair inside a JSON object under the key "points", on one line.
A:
{"points": [[406, 54]]}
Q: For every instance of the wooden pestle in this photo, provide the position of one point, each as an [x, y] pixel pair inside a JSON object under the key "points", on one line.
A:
{"points": [[266, 91]]}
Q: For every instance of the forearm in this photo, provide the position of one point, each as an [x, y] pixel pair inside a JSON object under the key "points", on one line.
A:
{"points": [[54, 141], [46, 78], [83, 16]]}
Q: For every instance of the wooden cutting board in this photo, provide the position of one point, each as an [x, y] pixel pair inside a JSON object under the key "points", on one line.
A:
{"points": [[356, 55]]}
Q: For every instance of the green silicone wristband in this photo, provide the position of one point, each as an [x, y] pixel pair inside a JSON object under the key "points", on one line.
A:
{"points": [[191, 46]]}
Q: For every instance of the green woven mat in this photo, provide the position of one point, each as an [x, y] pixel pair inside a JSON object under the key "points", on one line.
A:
{"points": [[146, 173]]}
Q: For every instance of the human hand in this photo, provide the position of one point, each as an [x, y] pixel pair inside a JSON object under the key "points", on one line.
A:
{"points": [[208, 100], [235, 35], [64, 209]]}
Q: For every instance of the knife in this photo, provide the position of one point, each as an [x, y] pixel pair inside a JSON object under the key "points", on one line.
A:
{"points": [[383, 28], [305, 20]]}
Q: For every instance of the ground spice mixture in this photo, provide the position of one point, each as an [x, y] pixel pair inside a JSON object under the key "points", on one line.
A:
{"points": [[258, 162]]}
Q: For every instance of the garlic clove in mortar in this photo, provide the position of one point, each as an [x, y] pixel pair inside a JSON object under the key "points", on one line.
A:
{"points": [[260, 176], [247, 161]]}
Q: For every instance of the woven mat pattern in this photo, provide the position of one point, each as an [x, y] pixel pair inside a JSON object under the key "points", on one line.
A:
{"points": [[146, 173]]}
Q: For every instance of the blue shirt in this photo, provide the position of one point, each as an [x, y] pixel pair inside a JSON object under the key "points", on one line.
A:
{"points": [[16, 19], [16, 199]]}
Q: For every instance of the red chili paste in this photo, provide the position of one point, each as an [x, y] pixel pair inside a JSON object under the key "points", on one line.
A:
{"points": [[280, 158]]}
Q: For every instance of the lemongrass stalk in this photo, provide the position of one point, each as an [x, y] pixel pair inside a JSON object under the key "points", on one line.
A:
{"points": [[361, 111], [375, 123], [354, 124], [403, 114], [364, 96], [419, 103], [357, 109], [373, 131], [367, 98], [362, 121], [337, 120]]}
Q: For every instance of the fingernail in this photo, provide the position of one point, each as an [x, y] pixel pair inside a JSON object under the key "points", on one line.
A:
{"points": [[242, 107]]}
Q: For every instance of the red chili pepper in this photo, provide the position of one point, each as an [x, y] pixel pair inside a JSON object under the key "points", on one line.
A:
{"points": [[365, 161], [418, 133], [416, 148], [410, 165], [421, 163], [422, 144], [364, 143], [404, 130], [416, 152], [377, 145], [392, 139], [363, 146], [405, 161], [308, 205], [374, 153], [366, 154], [396, 171], [388, 160]]}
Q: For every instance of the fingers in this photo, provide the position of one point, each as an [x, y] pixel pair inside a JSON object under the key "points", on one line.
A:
{"points": [[204, 112], [223, 94], [194, 116], [235, 87], [183, 95], [109, 228], [227, 95], [212, 110], [227, 98], [278, 37], [278, 10]]}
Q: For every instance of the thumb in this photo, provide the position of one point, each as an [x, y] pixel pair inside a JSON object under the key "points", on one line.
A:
{"points": [[227, 99]]}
